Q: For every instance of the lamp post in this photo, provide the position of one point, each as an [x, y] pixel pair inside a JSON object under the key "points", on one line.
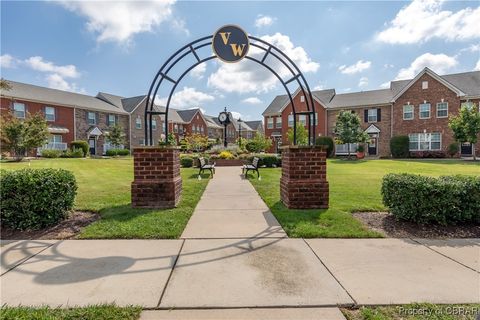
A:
{"points": [[240, 132]]}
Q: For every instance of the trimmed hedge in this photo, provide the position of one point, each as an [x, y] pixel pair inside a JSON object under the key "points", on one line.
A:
{"points": [[268, 160], [75, 153], [326, 141], [428, 154], [80, 144], [186, 162], [36, 198], [399, 146], [117, 152], [445, 200]]}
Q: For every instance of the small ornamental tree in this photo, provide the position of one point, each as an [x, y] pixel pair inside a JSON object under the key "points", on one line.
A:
{"points": [[348, 129], [196, 142], [22, 136], [116, 136], [302, 135], [466, 126], [259, 143]]}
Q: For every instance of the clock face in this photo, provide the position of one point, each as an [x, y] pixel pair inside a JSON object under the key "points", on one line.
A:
{"points": [[222, 117]]}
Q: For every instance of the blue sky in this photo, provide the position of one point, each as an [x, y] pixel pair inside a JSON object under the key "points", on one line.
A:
{"points": [[117, 47]]}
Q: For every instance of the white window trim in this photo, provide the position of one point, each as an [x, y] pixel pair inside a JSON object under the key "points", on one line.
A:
{"points": [[154, 124], [375, 115], [278, 124], [429, 142], [290, 118], [54, 113], [424, 85], [446, 103], [270, 123], [94, 118], [420, 110], [138, 123], [24, 110], [413, 112]]}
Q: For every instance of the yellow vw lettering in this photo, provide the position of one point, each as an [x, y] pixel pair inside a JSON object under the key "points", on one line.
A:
{"points": [[225, 36], [237, 49]]}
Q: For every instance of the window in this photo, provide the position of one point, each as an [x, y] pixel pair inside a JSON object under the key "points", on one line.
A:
{"points": [[302, 99], [270, 123], [316, 118], [154, 124], [468, 104], [302, 119], [425, 141], [141, 142], [278, 123], [290, 120], [408, 112], [50, 113], [372, 115], [175, 128], [138, 123], [92, 118], [442, 110], [19, 110], [424, 110], [112, 120], [55, 138], [202, 130], [424, 85]]}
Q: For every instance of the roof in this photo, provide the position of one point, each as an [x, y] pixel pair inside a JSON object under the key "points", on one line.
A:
{"points": [[325, 96], [254, 125], [212, 122], [58, 97], [276, 105], [187, 115], [279, 102], [363, 98], [129, 104], [110, 98]]}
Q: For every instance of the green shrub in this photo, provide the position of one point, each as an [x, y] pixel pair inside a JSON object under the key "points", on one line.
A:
{"points": [[453, 149], [47, 153], [117, 152], [445, 200], [251, 146], [268, 160], [399, 146], [82, 145], [328, 142], [111, 153], [186, 162], [36, 198]]}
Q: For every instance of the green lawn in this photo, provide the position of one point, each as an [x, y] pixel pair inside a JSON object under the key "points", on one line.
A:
{"points": [[101, 312], [104, 187], [354, 186]]}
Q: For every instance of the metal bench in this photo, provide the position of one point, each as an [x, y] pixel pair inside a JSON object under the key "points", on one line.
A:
{"points": [[251, 167], [204, 166]]}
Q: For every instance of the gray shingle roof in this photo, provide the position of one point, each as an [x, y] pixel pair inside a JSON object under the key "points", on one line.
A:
{"points": [[325, 96], [212, 122], [187, 115], [363, 98], [58, 97], [468, 82], [110, 98], [129, 104], [276, 105], [254, 124]]}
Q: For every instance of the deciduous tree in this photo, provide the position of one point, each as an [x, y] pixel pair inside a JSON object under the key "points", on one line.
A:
{"points": [[466, 126], [348, 129]]}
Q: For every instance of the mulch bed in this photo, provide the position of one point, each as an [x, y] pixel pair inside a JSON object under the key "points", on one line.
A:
{"points": [[386, 224], [67, 229]]}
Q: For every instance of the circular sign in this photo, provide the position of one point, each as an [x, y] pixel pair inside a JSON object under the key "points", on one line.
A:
{"points": [[230, 43]]}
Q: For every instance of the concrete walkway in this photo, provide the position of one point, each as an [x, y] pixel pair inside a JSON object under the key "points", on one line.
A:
{"points": [[231, 208]]}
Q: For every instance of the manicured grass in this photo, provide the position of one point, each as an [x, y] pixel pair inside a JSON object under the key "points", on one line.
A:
{"points": [[101, 312], [423, 311], [104, 187], [354, 186]]}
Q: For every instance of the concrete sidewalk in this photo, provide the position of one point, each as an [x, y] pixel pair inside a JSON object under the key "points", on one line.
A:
{"points": [[231, 208]]}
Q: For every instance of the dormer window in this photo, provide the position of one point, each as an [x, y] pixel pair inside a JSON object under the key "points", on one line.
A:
{"points": [[424, 85]]}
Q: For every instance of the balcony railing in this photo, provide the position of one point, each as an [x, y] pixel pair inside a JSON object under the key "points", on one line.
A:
{"points": [[53, 146]]}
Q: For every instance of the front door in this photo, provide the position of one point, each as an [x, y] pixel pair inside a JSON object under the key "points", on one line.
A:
{"points": [[372, 146], [92, 145], [466, 149]]}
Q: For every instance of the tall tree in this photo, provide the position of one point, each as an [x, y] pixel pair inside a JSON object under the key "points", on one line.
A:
{"points": [[116, 136], [348, 129], [4, 85], [466, 126], [302, 135]]}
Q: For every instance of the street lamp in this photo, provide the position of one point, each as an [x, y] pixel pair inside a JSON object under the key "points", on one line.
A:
{"points": [[240, 132]]}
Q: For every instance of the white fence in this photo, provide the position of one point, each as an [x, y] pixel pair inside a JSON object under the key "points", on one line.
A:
{"points": [[342, 149], [53, 146]]}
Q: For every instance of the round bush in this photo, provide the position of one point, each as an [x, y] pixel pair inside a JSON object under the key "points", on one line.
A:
{"points": [[47, 153], [111, 152], [186, 162], [399, 146], [36, 198], [123, 152], [82, 145], [453, 149], [328, 142]]}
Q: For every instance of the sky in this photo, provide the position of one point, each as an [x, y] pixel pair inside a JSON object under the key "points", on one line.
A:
{"points": [[118, 46]]}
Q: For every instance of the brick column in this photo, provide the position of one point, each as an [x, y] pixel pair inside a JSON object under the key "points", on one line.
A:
{"points": [[157, 182], [304, 184]]}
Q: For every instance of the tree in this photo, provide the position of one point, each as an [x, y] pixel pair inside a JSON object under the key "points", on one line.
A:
{"points": [[116, 136], [22, 136], [196, 142], [259, 143], [348, 129], [4, 85], [302, 135], [466, 126]]}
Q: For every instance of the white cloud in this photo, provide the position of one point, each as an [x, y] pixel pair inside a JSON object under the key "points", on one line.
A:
{"points": [[187, 98], [264, 21], [248, 76], [439, 63], [199, 71], [319, 87], [252, 100], [119, 21], [7, 61], [477, 66], [359, 66], [422, 20], [385, 85], [56, 81], [236, 115], [37, 63], [363, 82]]}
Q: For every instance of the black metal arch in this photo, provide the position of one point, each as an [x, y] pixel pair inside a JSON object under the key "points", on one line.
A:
{"points": [[191, 49]]}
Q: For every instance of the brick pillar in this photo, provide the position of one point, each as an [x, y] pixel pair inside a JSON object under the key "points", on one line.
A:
{"points": [[157, 182], [304, 184]]}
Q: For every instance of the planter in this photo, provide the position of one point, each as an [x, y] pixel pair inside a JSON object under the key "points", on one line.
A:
{"points": [[360, 155], [228, 162]]}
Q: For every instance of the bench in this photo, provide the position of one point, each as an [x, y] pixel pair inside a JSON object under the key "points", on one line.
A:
{"points": [[204, 166], [251, 167]]}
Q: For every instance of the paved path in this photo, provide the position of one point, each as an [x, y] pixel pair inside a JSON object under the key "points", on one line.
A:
{"points": [[231, 208]]}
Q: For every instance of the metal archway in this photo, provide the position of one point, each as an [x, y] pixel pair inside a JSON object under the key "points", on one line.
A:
{"points": [[191, 49]]}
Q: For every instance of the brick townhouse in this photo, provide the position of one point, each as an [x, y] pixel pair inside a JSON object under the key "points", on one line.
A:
{"points": [[418, 107]]}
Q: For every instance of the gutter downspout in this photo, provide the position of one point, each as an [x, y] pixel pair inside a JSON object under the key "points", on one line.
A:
{"points": [[74, 123]]}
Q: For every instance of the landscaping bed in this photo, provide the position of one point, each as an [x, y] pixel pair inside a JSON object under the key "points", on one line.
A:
{"points": [[386, 224], [66, 229]]}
